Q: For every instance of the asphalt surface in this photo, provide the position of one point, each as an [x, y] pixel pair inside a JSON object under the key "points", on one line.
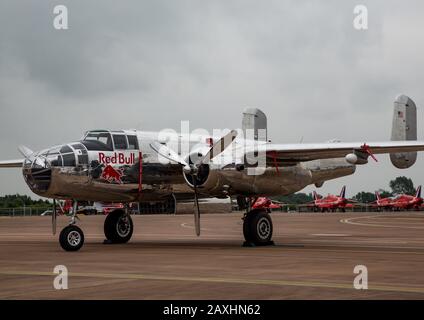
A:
{"points": [[314, 258]]}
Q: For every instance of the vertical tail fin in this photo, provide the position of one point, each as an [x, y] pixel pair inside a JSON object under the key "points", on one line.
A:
{"points": [[343, 192], [377, 195], [404, 127], [418, 195], [315, 195]]}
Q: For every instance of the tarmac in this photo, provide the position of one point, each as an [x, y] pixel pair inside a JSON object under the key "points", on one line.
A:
{"points": [[313, 258]]}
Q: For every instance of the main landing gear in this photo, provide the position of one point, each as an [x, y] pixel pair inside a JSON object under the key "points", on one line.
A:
{"points": [[118, 228], [257, 228]]}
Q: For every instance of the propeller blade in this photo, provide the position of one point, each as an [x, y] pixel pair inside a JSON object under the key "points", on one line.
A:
{"points": [[196, 212], [167, 153], [54, 216], [218, 147], [25, 151]]}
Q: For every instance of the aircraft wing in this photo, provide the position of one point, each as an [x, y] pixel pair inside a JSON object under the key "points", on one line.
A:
{"points": [[294, 153], [11, 163]]}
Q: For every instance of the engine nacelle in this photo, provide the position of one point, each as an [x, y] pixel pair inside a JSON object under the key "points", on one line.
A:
{"points": [[208, 179], [404, 127]]}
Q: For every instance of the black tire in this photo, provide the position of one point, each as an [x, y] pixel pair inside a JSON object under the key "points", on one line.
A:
{"points": [[71, 238], [118, 227], [257, 227]]}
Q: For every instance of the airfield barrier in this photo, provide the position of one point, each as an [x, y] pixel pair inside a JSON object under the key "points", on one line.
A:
{"points": [[23, 212], [186, 208]]}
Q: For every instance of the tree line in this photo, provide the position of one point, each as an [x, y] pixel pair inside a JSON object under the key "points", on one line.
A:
{"points": [[19, 201]]}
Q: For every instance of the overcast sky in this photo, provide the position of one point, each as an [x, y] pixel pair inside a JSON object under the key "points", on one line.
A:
{"points": [[150, 64]]}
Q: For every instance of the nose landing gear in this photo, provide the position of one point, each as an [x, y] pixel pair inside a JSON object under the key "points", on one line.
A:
{"points": [[71, 238]]}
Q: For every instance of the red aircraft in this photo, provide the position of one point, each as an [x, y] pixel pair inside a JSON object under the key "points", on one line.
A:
{"points": [[401, 202], [332, 202], [383, 203], [264, 203]]}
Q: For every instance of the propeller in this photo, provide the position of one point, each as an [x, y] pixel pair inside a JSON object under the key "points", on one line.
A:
{"points": [[25, 151], [197, 212], [54, 217], [193, 168], [169, 154]]}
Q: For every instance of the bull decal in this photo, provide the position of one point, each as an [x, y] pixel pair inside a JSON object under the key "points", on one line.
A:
{"points": [[111, 174]]}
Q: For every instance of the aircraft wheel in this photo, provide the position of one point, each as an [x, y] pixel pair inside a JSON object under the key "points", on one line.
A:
{"points": [[257, 228], [118, 227], [71, 238]]}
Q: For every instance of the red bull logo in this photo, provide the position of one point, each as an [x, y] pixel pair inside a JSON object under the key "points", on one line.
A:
{"points": [[112, 175], [117, 158]]}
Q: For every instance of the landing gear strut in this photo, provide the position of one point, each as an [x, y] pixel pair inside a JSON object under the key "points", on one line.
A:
{"points": [[257, 228], [118, 227], [71, 238]]}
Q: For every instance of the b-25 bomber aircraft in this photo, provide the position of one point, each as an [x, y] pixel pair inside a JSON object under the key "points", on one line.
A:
{"points": [[137, 166]]}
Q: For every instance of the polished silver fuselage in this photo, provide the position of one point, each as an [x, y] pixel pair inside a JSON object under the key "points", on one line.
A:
{"points": [[116, 175]]}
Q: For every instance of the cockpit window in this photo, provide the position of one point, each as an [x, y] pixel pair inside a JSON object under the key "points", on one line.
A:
{"points": [[101, 141], [132, 142], [120, 141]]}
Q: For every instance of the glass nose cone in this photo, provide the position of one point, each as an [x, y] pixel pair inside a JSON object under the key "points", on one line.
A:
{"points": [[37, 173]]}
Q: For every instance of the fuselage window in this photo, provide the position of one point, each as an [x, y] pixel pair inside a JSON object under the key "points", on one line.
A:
{"points": [[132, 142], [120, 142]]}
